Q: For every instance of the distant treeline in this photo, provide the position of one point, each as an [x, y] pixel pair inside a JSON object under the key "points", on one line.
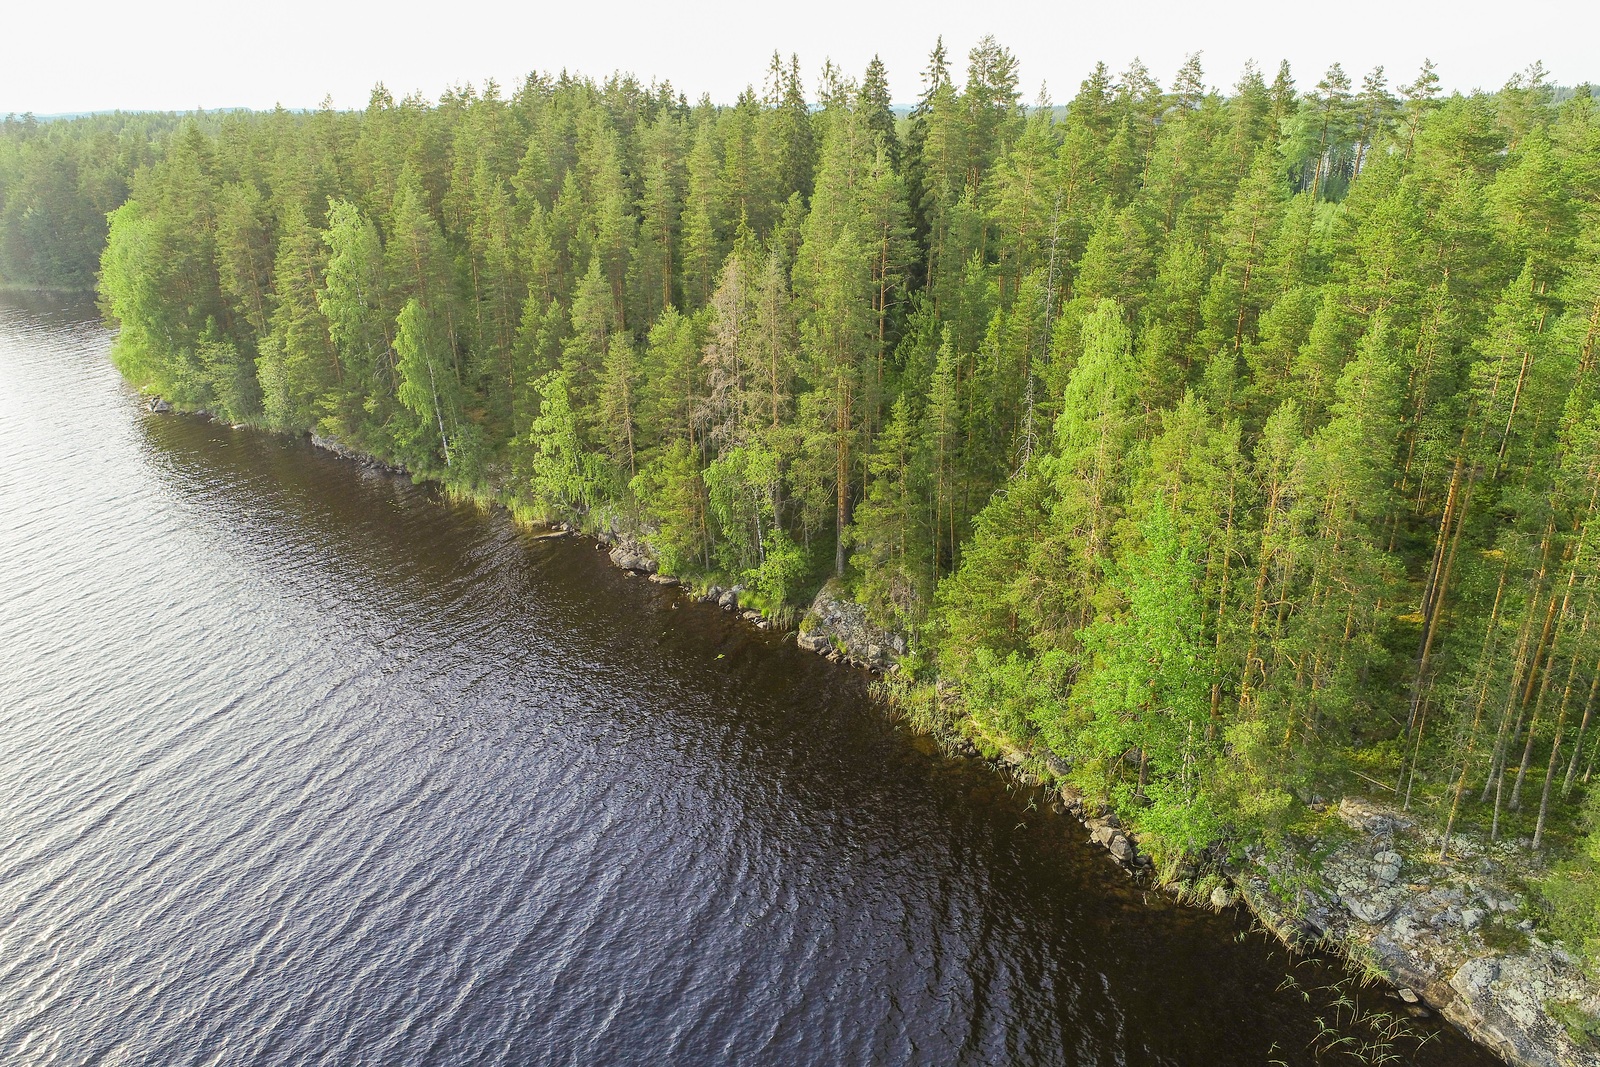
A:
{"points": [[58, 181], [1239, 447]]}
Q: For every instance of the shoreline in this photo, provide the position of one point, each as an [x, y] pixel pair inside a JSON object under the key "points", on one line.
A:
{"points": [[1428, 940]]}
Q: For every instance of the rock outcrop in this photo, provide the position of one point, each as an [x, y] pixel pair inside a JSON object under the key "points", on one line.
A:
{"points": [[627, 550], [838, 627], [1454, 936], [344, 451], [1451, 931]]}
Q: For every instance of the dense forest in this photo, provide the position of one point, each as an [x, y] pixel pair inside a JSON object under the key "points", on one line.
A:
{"points": [[1241, 447]]}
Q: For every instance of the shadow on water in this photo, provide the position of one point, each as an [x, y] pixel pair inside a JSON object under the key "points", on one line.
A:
{"points": [[344, 771]]}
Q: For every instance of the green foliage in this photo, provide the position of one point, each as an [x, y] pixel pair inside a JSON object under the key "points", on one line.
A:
{"points": [[1572, 890], [424, 386], [672, 499], [59, 180], [1144, 688], [1581, 1026], [566, 475], [1019, 695], [741, 484], [781, 573]]}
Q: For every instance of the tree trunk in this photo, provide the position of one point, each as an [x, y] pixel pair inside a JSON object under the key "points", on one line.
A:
{"points": [[842, 475], [1555, 744], [1484, 673]]}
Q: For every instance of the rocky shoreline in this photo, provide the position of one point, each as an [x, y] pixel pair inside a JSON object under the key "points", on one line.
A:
{"points": [[1453, 937], [328, 444]]}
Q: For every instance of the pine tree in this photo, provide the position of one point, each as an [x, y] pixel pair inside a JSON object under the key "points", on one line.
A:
{"points": [[298, 363], [877, 113], [703, 225]]}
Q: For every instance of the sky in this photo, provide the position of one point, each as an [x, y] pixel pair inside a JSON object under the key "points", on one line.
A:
{"points": [[181, 54]]}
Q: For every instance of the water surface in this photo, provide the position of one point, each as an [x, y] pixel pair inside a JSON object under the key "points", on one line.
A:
{"points": [[301, 764]]}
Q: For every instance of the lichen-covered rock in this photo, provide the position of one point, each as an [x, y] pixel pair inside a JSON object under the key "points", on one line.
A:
{"points": [[1432, 932], [1372, 818], [835, 623], [1507, 998], [1373, 908]]}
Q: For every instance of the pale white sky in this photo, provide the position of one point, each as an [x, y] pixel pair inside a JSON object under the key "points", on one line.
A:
{"points": [[178, 54]]}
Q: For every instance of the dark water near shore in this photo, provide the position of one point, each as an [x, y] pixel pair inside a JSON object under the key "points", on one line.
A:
{"points": [[301, 764]]}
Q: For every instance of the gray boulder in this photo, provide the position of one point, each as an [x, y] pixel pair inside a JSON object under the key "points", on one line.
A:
{"points": [[844, 625], [633, 556], [818, 643]]}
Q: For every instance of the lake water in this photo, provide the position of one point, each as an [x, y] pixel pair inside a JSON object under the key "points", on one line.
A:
{"points": [[301, 764]]}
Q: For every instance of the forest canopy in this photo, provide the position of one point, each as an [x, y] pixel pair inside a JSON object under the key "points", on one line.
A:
{"points": [[1241, 447]]}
